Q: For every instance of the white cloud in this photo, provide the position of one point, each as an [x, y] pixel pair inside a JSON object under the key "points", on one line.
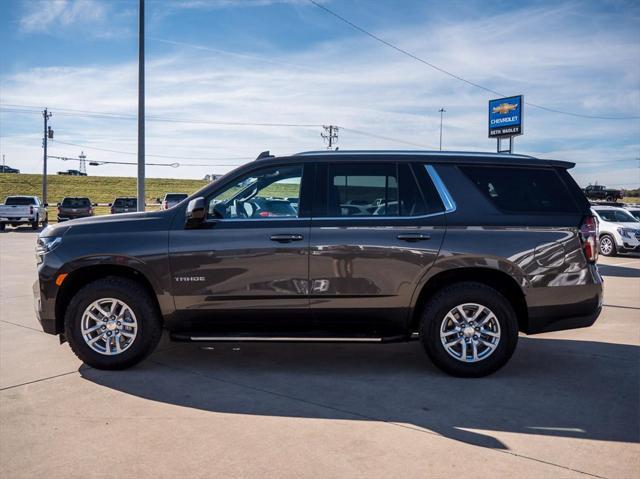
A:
{"points": [[94, 18]]}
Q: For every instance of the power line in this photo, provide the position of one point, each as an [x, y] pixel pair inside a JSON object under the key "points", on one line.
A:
{"points": [[155, 156], [70, 112], [97, 114], [388, 138], [457, 77]]}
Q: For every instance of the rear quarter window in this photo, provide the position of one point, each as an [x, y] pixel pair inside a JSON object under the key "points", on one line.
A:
{"points": [[522, 189]]}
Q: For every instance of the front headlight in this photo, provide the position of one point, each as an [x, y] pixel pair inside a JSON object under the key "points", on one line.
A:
{"points": [[627, 232], [46, 244]]}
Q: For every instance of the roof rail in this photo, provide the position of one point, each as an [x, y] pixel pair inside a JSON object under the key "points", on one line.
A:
{"points": [[265, 154], [412, 152]]}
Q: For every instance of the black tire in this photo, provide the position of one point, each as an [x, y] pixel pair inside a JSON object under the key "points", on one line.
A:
{"points": [[143, 306], [609, 199], [443, 302], [609, 244], [34, 224], [2, 226]]}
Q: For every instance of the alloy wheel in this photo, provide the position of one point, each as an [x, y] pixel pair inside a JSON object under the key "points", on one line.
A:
{"points": [[470, 332], [109, 326]]}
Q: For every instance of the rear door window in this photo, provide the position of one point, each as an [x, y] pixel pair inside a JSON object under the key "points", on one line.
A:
{"points": [[362, 190], [522, 189]]}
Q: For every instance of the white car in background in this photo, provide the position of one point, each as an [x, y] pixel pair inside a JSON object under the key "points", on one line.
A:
{"points": [[619, 230]]}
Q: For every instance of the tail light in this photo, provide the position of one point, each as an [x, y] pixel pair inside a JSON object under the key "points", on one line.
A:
{"points": [[589, 238], [264, 214], [165, 205], [58, 210], [30, 210], [112, 210]]}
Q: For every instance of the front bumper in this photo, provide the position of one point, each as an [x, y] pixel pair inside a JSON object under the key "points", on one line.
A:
{"points": [[45, 309]]}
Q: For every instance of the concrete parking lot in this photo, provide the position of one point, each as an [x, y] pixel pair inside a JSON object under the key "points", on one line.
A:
{"points": [[567, 405]]}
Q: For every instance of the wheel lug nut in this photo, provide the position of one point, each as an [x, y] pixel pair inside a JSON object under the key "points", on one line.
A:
{"points": [[103, 328], [475, 336], [477, 329], [119, 323]]}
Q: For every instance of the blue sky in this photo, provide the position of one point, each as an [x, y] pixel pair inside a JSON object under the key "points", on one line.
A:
{"points": [[289, 62]]}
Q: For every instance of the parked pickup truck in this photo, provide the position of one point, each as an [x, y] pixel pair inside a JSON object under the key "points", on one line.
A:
{"points": [[20, 210], [600, 192]]}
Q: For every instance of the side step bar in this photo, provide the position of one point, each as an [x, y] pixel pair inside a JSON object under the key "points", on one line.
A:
{"points": [[287, 338]]}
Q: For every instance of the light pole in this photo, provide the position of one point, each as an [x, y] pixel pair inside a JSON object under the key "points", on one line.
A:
{"points": [[442, 111], [141, 172]]}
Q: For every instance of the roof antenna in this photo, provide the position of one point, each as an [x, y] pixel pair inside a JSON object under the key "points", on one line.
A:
{"points": [[264, 154]]}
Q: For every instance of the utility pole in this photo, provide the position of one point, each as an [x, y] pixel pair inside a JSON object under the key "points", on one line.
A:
{"points": [[83, 162], [331, 135], [442, 111], [3, 163], [47, 133], [141, 172]]}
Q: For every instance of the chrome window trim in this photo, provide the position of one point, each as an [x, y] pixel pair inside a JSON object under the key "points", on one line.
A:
{"points": [[443, 192], [445, 196]]}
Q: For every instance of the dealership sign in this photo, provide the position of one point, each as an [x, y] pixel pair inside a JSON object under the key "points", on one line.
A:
{"points": [[505, 117]]}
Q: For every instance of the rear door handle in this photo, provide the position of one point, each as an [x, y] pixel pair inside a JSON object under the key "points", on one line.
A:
{"points": [[286, 238], [413, 237]]}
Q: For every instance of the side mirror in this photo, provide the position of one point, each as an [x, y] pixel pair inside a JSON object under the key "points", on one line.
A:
{"points": [[96, 204], [45, 205], [58, 204], [110, 204], [196, 212]]}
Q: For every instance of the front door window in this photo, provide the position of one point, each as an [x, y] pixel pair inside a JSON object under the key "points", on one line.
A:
{"points": [[272, 192]]}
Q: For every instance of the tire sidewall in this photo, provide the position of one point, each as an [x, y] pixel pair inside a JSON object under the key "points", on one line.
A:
{"points": [[145, 339], [444, 302], [613, 245]]}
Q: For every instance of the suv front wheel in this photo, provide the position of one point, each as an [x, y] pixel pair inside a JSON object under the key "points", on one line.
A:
{"points": [[608, 246], [112, 323], [469, 329]]}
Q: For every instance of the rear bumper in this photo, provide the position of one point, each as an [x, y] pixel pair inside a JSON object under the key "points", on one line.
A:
{"points": [[16, 220], [557, 308]]}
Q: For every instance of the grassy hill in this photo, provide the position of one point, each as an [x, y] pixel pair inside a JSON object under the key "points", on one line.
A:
{"points": [[100, 189]]}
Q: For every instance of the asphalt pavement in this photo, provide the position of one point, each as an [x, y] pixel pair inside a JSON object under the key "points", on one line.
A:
{"points": [[567, 405]]}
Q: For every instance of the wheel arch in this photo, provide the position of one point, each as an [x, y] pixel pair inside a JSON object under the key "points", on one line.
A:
{"points": [[494, 278], [87, 274]]}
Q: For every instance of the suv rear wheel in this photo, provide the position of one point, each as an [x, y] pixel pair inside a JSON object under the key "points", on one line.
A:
{"points": [[469, 329], [112, 323]]}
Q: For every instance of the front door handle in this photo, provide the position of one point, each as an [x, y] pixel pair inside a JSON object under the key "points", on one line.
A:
{"points": [[286, 238], [413, 237]]}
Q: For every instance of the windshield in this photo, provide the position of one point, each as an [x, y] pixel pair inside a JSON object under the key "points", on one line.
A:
{"points": [[617, 216], [20, 201], [76, 203]]}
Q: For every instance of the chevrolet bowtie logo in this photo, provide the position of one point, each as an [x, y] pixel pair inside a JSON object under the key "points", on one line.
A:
{"points": [[504, 108]]}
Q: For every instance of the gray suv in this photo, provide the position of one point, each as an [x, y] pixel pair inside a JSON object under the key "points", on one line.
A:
{"points": [[460, 251]]}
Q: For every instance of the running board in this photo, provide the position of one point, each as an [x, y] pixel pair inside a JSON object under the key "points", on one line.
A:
{"points": [[288, 338]]}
